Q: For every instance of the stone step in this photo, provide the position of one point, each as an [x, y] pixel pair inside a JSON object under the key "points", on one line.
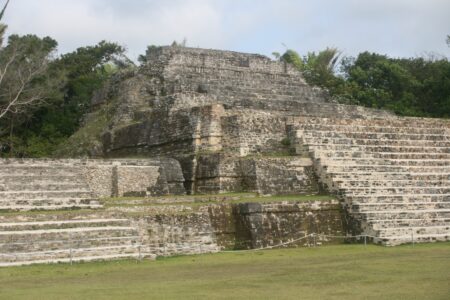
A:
{"points": [[68, 243], [24, 207], [250, 95], [375, 215], [61, 224], [384, 162], [393, 122], [371, 128], [380, 155], [366, 207], [406, 198], [371, 149], [400, 223], [308, 140], [413, 231], [406, 239], [386, 168], [392, 176], [378, 191], [76, 255], [39, 179], [49, 201], [65, 234], [30, 195], [363, 182], [43, 186], [373, 135], [46, 169]]}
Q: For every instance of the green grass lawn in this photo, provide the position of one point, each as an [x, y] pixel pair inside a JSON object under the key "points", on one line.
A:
{"points": [[332, 272]]}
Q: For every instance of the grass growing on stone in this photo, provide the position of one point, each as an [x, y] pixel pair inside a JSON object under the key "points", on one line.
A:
{"points": [[332, 272], [201, 200], [290, 198]]}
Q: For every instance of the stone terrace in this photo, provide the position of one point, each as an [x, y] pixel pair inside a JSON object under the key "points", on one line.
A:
{"points": [[393, 174], [62, 186], [40, 184], [67, 238]]}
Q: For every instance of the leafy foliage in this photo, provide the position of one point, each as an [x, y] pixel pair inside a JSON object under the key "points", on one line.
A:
{"points": [[143, 58], [410, 87], [26, 83], [83, 72]]}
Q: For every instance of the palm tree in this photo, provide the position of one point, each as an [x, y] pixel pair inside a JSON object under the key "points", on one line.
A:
{"points": [[3, 26]]}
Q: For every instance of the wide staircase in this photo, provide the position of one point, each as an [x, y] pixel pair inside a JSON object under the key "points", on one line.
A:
{"points": [[48, 214], [42, 185], [393, 175], [71, 240]]}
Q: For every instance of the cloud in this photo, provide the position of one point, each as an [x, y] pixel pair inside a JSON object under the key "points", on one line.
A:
{"points": [[398, 28]]}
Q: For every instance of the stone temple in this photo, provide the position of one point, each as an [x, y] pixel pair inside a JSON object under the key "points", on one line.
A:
{"points": [[199, 121]]}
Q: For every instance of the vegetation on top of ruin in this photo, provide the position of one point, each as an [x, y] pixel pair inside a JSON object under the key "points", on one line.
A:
{"points": [[86, 142], [418, 86], [331, 272]]}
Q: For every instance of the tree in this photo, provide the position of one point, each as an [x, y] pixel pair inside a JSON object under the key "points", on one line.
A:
{"points": [[293, 58], [412, 86], [23, 63], [84, 71], [3, 26], [25, 83], [43, 99], [143, 57], [317, 68]]}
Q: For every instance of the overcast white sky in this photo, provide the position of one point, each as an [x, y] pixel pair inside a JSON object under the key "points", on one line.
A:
{"points": [[404, 28]]}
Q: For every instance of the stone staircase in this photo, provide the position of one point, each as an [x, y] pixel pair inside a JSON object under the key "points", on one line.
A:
{"points": [[392, 175], [52, 239], [34, 185], [55, 231]]}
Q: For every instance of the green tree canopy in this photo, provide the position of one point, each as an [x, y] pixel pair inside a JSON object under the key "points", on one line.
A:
{"points": [[82, 72], [412, 87]]}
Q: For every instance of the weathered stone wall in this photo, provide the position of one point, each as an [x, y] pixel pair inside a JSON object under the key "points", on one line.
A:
{"points": [[171, 234], [191, 104], [282, 175], [119, 178], [268, 224], [219, 172], [106, 178], [215, 227], [252, 131], [161, 230]]}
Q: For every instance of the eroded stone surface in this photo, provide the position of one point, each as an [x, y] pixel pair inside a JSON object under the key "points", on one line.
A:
{"points": [[163, 230], [29, 184], [209, 108]]}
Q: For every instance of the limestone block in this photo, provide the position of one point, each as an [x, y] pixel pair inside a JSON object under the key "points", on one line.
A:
{"points": [[136, 180], [99, 179]]}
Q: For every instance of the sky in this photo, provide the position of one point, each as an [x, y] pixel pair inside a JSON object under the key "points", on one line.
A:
{"points": [[398, 28]]}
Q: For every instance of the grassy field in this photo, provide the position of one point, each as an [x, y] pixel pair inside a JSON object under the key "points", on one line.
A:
{"points": [[332, 272]]}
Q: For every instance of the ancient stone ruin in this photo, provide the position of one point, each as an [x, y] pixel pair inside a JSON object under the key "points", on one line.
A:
{"points": [[210, 122]]}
